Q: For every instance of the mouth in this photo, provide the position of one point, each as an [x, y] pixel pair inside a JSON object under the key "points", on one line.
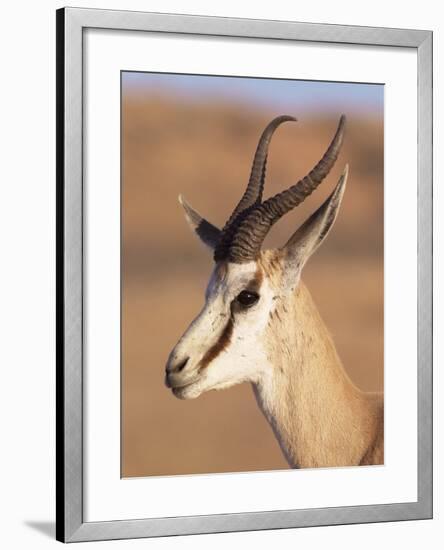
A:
{"points": [[186, 390], [172, 383]]}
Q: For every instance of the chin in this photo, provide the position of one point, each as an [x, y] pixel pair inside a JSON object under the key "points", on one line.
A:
{"points": [[187, 392]]}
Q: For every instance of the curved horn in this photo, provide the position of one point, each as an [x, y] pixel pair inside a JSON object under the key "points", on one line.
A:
{"points": [[253, 194], [255, 187], [252, 229]]}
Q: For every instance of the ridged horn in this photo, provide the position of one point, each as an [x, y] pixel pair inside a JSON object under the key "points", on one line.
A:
{"points": [[250, 231], [252, 196], [255, 187]]}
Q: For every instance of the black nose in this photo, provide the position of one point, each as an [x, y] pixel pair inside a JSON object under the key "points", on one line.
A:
{"points": [[177, 367]]}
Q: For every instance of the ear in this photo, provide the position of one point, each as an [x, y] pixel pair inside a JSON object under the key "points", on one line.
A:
{"points": [[311, 234], [207, 232]]}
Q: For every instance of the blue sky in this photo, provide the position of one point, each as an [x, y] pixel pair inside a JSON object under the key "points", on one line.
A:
{"points": [[316, 96]]}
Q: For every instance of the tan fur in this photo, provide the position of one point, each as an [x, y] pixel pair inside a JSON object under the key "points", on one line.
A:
{"points": [[319, 416]]}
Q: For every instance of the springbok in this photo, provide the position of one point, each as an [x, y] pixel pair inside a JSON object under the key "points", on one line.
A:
{"points": [[259, 324]]}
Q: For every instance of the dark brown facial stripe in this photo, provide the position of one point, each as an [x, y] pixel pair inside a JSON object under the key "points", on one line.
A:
{"points": [[225, 337], [219, 346]]}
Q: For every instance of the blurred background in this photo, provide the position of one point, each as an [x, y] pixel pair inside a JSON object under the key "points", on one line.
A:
{"points": [[197, 135]]}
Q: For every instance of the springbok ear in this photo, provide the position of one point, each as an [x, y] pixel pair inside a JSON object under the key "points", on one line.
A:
{"points": [[208, 233], [310, 235]]}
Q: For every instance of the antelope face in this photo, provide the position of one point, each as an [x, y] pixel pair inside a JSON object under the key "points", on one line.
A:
{"points": [[224, 345]]}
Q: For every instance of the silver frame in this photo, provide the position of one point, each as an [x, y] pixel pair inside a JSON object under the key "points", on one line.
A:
{"points": [[71, 22]]}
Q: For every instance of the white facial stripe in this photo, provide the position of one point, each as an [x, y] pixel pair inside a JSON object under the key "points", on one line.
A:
{"points": [[213, 327]]}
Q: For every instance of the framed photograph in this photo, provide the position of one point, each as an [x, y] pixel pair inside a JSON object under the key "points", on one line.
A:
{"points": [[242, 206]]}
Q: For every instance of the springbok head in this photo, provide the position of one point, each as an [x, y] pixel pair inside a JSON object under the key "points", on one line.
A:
{"points": [[226, 342]]}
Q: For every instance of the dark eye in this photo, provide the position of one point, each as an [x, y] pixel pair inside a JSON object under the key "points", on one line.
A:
{"points": [[247, 298]]}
